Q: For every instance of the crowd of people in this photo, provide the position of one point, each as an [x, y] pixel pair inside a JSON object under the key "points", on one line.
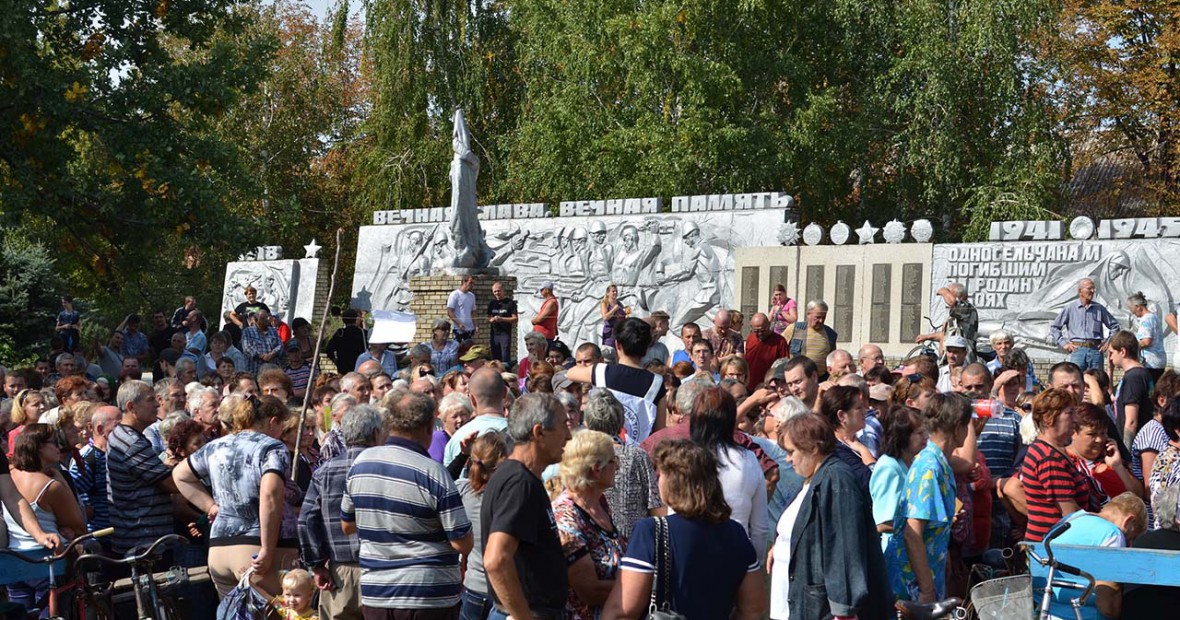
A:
{"points": [[738, 477]]}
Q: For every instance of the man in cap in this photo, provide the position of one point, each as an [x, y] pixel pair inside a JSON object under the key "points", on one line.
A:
{"points": [[955, 348], [474, 359]]}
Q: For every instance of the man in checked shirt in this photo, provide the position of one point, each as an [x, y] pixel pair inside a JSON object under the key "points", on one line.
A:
{"points": [[325, 550]]}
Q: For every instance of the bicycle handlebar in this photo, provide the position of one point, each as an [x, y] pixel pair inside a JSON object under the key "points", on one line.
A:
{"points": [[149, 553], [54, 557]]}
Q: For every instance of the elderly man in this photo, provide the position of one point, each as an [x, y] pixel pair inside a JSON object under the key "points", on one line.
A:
{"points": [[962, 318], [870, 357], [1083, 322], [811, 337], [839, 363], [725, 341], [378, 352], [332, 444], [332, 555], [503, 317], [1003, 344], [203, 405], [763, 348], [409, 517], [90, 474], [141, 486], [955, 348], [523, 558]]}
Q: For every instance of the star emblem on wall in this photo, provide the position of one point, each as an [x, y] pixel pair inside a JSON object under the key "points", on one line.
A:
{"points": [[788, 234], [312, 249], [866, 233]]}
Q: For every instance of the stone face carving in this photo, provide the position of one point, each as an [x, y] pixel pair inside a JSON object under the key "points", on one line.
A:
{"points": [[471, 251], [1021, 287], [681, 263]]}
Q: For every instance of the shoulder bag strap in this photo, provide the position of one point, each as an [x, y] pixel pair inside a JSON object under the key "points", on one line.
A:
{"points": [[655, 584], [666, 545]]}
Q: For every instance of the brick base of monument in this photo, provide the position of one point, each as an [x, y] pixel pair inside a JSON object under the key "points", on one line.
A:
{"points": [[430, 304]]}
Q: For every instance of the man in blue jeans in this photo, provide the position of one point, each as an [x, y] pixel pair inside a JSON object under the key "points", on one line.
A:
{"points": [[1083, 322]]}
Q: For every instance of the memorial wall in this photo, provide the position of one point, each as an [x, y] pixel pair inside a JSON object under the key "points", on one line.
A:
{"points": [[287, 287], [680, 261]]}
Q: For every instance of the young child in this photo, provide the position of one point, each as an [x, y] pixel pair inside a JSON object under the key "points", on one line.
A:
{"points": [[295, 603]]}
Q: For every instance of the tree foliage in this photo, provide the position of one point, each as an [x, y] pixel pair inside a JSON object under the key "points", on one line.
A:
{"points": [[30, 290], [104, 155]]}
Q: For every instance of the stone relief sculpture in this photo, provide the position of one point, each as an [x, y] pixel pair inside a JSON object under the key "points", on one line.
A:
{"points": [[471, 251], [272, 280], [679, 263]]}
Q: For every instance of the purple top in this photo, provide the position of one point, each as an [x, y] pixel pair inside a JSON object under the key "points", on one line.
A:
{"points": [[438, 445]]}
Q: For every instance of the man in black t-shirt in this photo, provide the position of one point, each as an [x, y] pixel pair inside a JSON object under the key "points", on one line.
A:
{"points": [[348, 343], [1133, 403], [503, 317], [522, 554], [161, 337], [241, 314]]}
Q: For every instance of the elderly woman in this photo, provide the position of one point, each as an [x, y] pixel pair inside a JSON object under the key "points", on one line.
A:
{"points": [[246, 470], [904, 438], [35, 471], [444, 352], [1148, 601], [712, 427], [537, 347], [826, 561], [715, 572], [487, 451], [1165, 471], [1002, 343], [1097, 456], [1149, 330], [844, 408], [454, 410], [634, 494], [917, 551], [589, 540], [1053, 488]]}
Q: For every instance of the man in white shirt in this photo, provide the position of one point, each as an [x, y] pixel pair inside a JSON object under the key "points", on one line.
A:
{"points": [[460, 305], [955, 348]]}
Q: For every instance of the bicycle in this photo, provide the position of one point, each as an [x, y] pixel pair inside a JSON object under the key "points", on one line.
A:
{"points": [[77, 605], [928, 348], [946, 609], [154, 593], [1055, 566]]}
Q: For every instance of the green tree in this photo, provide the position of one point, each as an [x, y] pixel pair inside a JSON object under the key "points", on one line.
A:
{"points": [[104, 107], [30, 291]]}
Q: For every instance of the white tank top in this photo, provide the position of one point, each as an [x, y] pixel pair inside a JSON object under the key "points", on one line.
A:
{"points": [[18, 538]]}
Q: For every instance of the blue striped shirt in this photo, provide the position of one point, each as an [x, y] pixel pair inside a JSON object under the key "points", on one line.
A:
{"points": [[1000, 442], [1082, 323], [320, 537], [91, 482], [141, 511], [407, 511]]}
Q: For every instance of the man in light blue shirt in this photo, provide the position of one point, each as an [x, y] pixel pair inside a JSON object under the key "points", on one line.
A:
{"points": [[487, 390], [1084, 321]]}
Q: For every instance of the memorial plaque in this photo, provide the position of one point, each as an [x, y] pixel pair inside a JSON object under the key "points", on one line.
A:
{"points": [[749, 301], [880, 304], [778, 275], [911, 301], [814, 286], [843, 308]]}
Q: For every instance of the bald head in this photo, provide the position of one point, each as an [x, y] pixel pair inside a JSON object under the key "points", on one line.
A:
{"points": [[370, 369], [870, 357], [721, 319], [486, 387], [102, 421], [423, 386], [976, 378]]}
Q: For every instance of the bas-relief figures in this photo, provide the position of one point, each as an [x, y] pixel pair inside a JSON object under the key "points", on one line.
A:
{"points": [[272, 279], [1021, 287], [680, 263]]}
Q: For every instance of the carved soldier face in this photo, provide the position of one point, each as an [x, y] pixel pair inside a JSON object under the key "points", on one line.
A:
{"points": [[599, 237], [578, 245], [692, 238], [630, 238]]}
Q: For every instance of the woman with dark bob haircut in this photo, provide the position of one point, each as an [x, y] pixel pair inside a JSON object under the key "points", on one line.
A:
{"points": [[844, 407], [904, 438], [714, 571], [36, 474], [827, 557], [740, 475]]}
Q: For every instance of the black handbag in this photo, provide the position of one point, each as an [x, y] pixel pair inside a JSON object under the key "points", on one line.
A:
{"points": [[663, 576]]}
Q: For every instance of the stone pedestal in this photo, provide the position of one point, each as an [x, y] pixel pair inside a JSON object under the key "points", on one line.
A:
{"points": [[430, 303]]}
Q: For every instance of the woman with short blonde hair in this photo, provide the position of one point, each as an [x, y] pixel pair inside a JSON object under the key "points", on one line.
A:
{"points": [[587, 532]]}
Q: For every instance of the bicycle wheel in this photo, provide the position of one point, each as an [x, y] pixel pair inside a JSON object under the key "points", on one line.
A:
{"points": [[1004, 598]]}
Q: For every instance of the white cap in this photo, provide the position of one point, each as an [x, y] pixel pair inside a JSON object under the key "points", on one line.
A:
{"points": [[957, 342]]}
